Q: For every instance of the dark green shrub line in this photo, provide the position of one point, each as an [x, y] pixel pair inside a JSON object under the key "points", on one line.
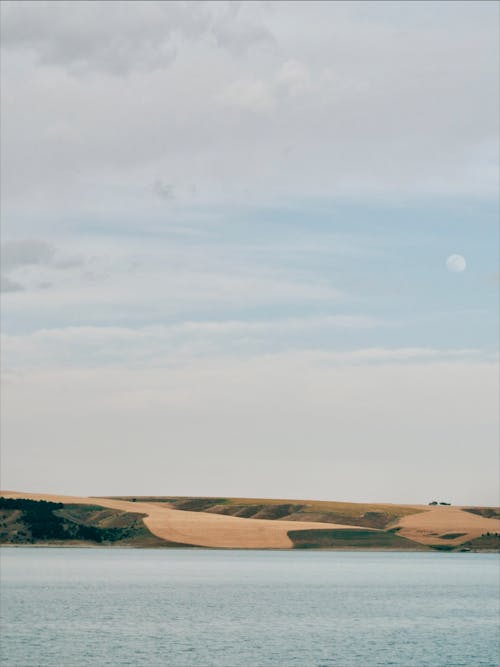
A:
{"points": [[41, 519]]}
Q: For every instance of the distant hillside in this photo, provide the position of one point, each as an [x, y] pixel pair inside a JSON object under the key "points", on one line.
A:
{"points": [[361, 514], [24, 521], [242, 523]]}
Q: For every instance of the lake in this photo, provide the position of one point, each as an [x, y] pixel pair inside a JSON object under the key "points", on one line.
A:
{"points": [[188, 608]]}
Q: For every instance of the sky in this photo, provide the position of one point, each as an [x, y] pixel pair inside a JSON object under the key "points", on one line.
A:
{"points": [[225, 233]]}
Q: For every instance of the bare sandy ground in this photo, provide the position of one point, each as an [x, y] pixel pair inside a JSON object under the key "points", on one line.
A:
{"points": [[427, 526], [218, 530], [197, 528]]}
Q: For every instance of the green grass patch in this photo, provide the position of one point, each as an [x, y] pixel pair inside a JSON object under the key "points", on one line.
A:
{"points": [[487, 512], [487, 542], [443, 547], [350, 538]]}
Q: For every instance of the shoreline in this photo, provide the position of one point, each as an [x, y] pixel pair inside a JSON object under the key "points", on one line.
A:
{"points": [[240, 549]]}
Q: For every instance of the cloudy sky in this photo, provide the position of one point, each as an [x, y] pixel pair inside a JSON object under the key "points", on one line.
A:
{"points": [[224, 244]]}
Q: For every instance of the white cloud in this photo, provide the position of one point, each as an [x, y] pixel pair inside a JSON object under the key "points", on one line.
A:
{"points": [[294, 77], [9, 285], [377, 114], [141, 281], [254, 96], [18, 256], [25, 252], [238, 34], [164, 191], [122, 37], [166, 344]]}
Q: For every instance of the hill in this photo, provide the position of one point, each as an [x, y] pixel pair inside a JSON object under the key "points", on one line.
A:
{"points": [[25, 521], [241, 523]]}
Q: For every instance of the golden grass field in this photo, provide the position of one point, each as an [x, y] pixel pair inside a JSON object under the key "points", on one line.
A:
{"points": [[424, 525]]}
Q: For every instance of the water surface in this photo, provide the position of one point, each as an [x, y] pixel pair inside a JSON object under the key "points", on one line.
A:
{"points": [[204, 608]]}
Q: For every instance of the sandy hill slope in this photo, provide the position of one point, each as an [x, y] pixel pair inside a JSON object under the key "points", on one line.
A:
{"points": [[446, 525], [295, 523]]}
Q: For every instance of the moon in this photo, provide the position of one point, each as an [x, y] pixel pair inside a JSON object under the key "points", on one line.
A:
{"points": [[456, 263]]}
